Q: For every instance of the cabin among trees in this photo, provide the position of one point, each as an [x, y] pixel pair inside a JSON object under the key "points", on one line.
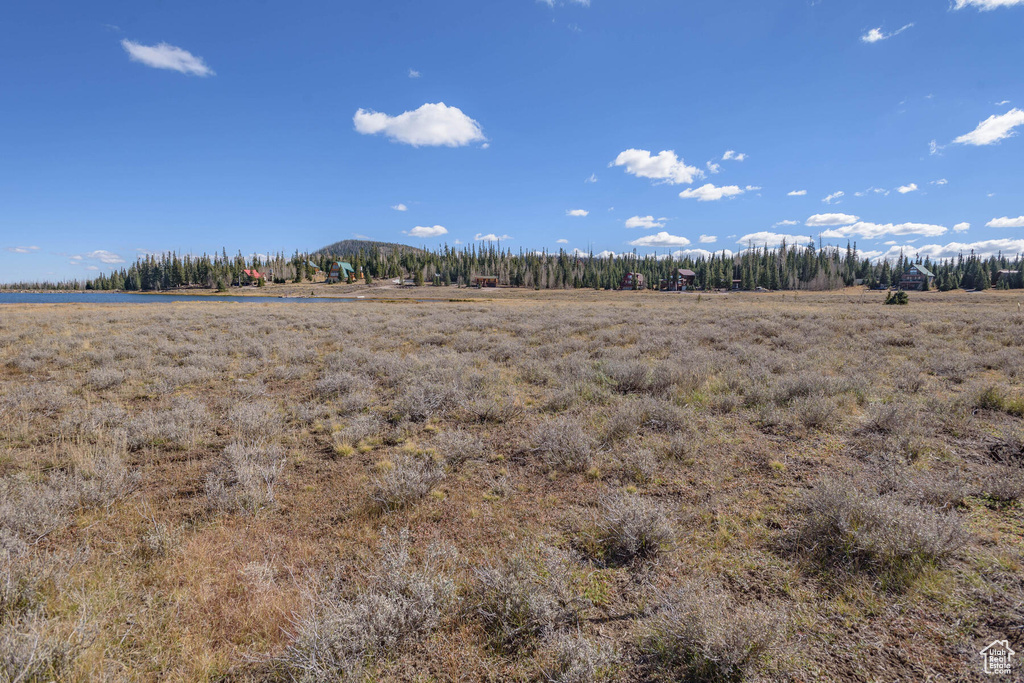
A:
{"points": [[679, 281], [1007, 279], [785, 268], [632, 281], [916, 278], [484, 281], [340, 270]]}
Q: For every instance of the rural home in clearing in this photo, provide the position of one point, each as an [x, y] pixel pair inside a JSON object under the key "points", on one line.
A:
{"points": [[680, 281], [632, 281], [1005, 274], [340, 270], [916, 277], [484, 281]]}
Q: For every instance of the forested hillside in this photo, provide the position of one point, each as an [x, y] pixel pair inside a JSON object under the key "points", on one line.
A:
{"points": [[802, 267]]}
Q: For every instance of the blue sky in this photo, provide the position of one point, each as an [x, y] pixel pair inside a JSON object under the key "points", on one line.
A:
{"points": [[654, 125]]}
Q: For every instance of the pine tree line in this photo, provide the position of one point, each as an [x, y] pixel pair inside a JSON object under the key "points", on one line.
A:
{"points": [[782, 268]]}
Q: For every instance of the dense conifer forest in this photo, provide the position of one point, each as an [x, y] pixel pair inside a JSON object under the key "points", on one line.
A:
{"points": [[797, 267]]}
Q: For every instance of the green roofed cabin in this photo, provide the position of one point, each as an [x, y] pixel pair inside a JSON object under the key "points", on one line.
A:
{"points": [[340, 270], [916, 277]]}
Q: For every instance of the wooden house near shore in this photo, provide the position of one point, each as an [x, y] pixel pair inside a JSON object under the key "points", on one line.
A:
{"points": [[340, 271], [484, 281]]}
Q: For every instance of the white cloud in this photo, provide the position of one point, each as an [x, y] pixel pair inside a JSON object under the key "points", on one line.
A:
{"points": [[699, 253], [713, 168], [772, 239], [491, 237], [834, 196], [605, 254], [413, 73], [426, 231], [577, 213], [1006, 222], [646, 222], [940, 181], [904, 189], [876, 230], [563, 241], [732, 155], [983, 249], [708, 239], [666, 166], [165, 56], [934, 148], [753, 188], [104, 256], [660, 239], [785, 222], [819, 220], [1000, 104], [22, 250], [961, 227], [985, 5], [431, 125], [400, 207], [798, 193], [875, 35], [993, 129], [710, 193], [92, 267], [591, 179]]}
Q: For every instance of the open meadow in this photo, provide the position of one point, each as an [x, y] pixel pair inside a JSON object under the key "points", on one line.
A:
{"points": [[571, 487]]}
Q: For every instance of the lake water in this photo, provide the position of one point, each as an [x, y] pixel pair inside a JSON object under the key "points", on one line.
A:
{"points": [[134, 298]]}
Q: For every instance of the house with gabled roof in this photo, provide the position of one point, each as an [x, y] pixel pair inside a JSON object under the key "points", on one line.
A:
{"points": [[340, 270], [916, 278]]}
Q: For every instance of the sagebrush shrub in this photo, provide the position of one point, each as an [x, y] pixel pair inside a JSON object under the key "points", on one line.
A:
{"points": [[408, 479], [399, 603], [627, 527], [562, 443], [245, 477], [456, 446], [524, 600], [699, 634], [579, 660], [847, 527]]}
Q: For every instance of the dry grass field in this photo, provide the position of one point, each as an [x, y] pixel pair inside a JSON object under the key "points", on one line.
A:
{"points": [[569, 487]]}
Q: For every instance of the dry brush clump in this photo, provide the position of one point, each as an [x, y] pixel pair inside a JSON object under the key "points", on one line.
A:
{"points": [[562, 443], [626, 528], [845, 527], [700, 634], [245, 477], [456, 446], [176, 427], [400, 603], [577, 659], [526, 599], [404, 480]]}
